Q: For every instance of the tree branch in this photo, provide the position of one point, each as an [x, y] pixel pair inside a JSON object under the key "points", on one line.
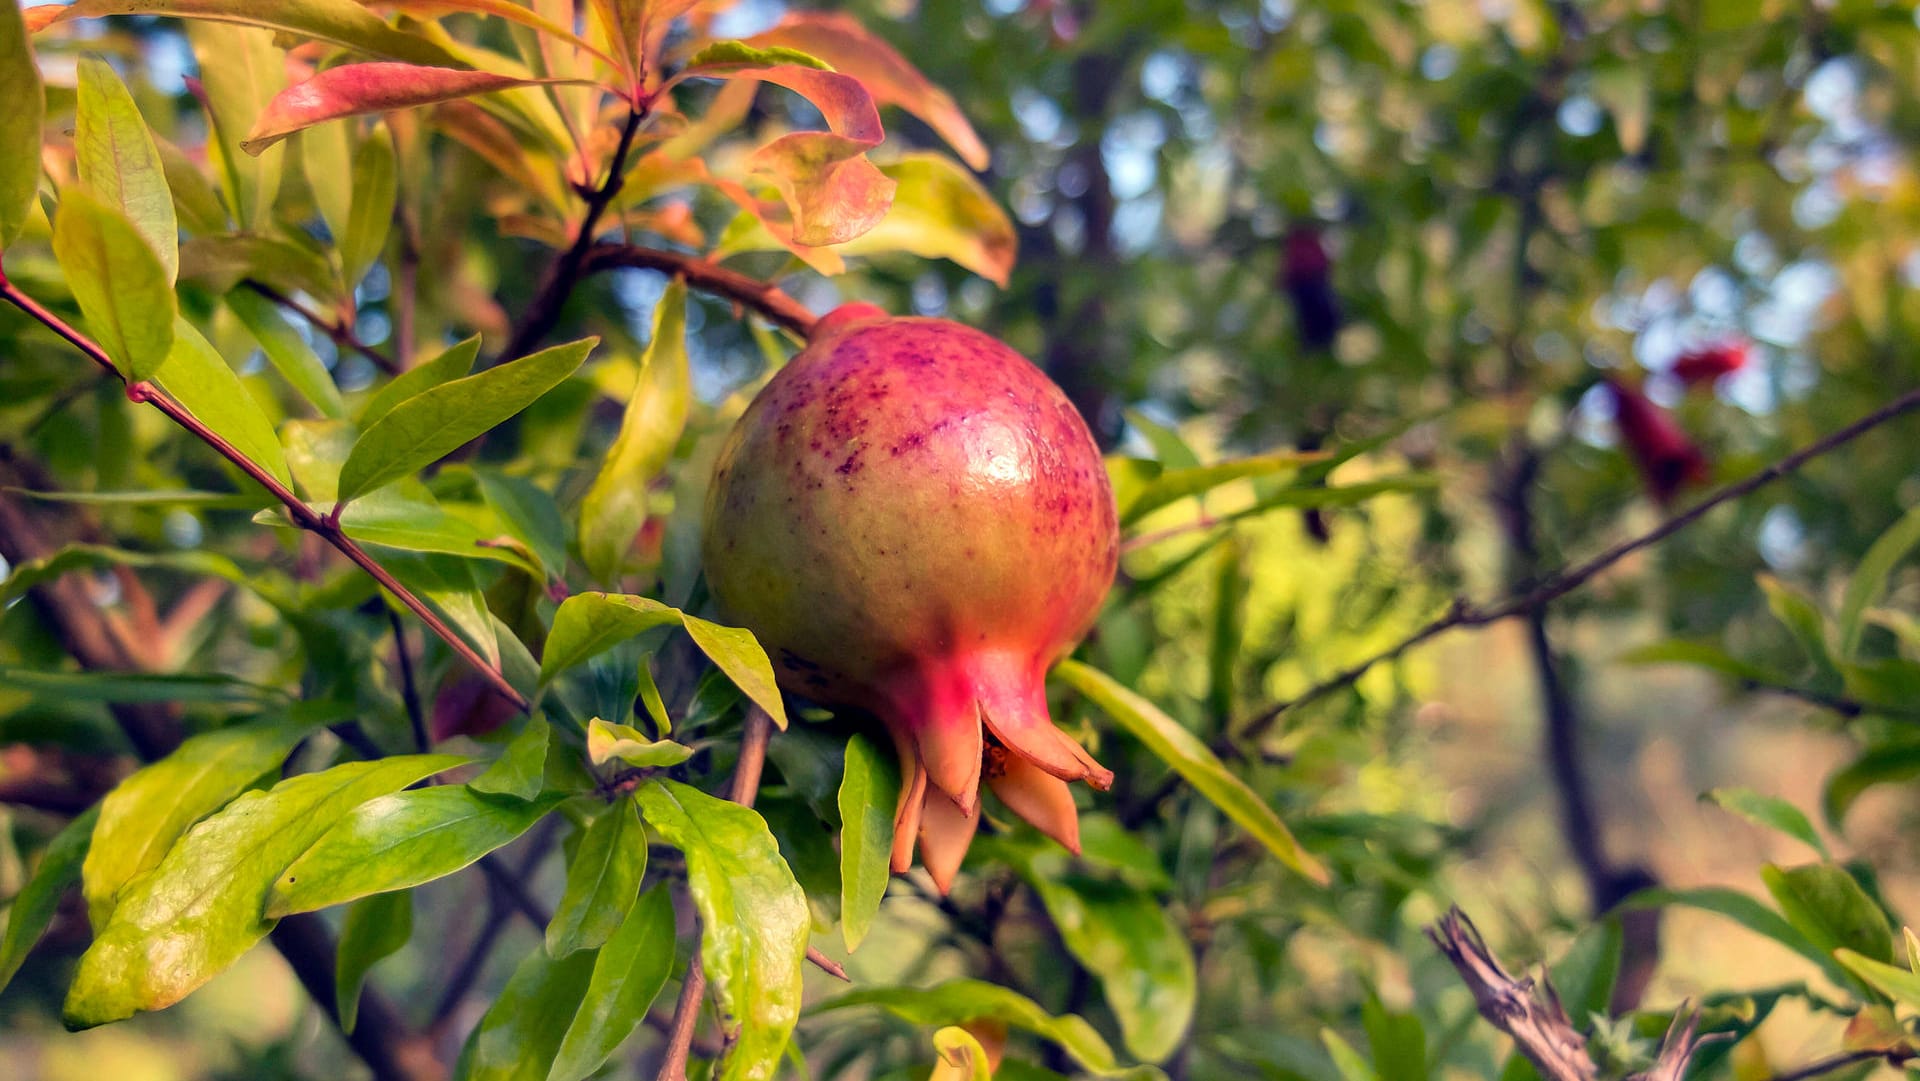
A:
{"points": [[303, 516], [747, 291], [743, 789], [543, 313], [1464, 613], [341, 334]]}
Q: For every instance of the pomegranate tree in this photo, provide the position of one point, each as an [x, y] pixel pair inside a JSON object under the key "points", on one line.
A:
{"points": [[915, 522]]}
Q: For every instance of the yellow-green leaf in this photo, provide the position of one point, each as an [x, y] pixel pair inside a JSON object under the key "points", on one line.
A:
{"points": [[289, 354], [240, 72], [196, 376], [603, 878], [615, 506], [120, 284], [117, 158], [20, 125]]}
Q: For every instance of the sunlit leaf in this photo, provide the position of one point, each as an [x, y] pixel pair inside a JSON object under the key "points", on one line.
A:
{"points": [[326, 158], [1132, 946], [450, 364], [340, 22], [615, 506], [1898, 984], [869, 789], [289, 354], [439, 420], [200, 909], [1827, 905], [120, 284], [766, 56], [145, 814], [20, 126], [196, 206], [117, 158], [961, 1056], [240, 72], [199, 379], [399, 841], [753, 918], [1173, 485], [607, 741], [520, 771], [628, 974], [375, 927], [852, 49], [737, 653], [1889, 763], [1770, 812], [222, 262], [590, 623], [374, 87], [33, 908], [603, 878], [1191, 759], [957, 1002]]}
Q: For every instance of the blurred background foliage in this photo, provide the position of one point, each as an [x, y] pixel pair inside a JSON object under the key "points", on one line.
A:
{"points": [[1513, 201]]}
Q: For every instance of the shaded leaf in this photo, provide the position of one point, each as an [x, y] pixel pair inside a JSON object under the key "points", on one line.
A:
{"points": [[33, 908], [1190, 758], [1827, 905], [116, 157], [1132, 946], [587, 624], [145, 814], [615, 506], [200, 909], [432, 424], [241, 71], [1798, 613], [375, 927], [521, 1032], [21, 126], [106, 686], [1870, 577], [1769, 812], [120, 284], [289, 354], [869, 789], [1699, 654], [628, 974], [375, 190], [1878, 765], [530, 514], [399, 841], [1748, 913], [326, 159], [1353, 1066], [222, 262], [520, 771], [753, 917], [603, 878]]}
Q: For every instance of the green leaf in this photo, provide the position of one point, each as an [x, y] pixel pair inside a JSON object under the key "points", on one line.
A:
{"points": [[520, 771], [220, 263], [399, 841], [1397, 1041], [326, 157], [116, 158], [1700, 655], [961, 1056], [107, 686], [627, 976], [178, 926], [1177, 484], [1748, 913], [522, 1031], [1897, 984], [1870, 577], [120, 284], [195, 205], [449, 588], [868, 791], [241, 71], [375, 927], [1827, 905], [1353, 1066], [1878, 765], [1585, 974], [21, 125], [1797, 611], [1132, 946], [291, 356], [1191, 759], [958, 1001], [78, 556], [737, 653], [753, 916], [603, 878], [145, 814], [439, 420], [196, 376], [376, 187], [340, 22], [650, 698], [146, 498], [33, 907], [615, 506], [1769, 812], [739, 52], [607, 741], [530, 514]]}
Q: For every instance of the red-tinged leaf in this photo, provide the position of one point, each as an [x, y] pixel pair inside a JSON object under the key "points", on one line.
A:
{"points": [[340, 22], [635, 28], [833, 193], [41, 17], [503, 9], [854, 50], [378, 87], [490, 138], [768, 217]]}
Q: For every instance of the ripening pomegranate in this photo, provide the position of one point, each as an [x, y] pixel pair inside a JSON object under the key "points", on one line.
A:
{"points": [[915, 522], [1667, 459]]}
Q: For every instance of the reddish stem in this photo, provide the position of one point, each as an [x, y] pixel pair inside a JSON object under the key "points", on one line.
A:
{"points": [[304, 516]]}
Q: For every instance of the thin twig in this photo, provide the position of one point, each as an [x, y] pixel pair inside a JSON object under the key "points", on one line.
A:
{"points": [[1464, 613], [743, 789], [543, 313], [745, 290], [342, 335], [1894, 1056], [828, 965], [409, 690], [1844, 705], [303, 516]]}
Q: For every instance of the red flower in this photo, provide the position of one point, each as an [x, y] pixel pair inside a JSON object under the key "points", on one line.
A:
{"points": [[1700, 367], [1667, 459]]}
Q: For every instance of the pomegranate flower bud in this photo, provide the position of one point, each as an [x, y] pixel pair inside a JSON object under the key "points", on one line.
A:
{"points": [[1667, 459], [915, 522], [1700, 367]]}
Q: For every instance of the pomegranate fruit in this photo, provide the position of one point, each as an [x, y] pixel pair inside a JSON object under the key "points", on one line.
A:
{"points": [[915, 522]]}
